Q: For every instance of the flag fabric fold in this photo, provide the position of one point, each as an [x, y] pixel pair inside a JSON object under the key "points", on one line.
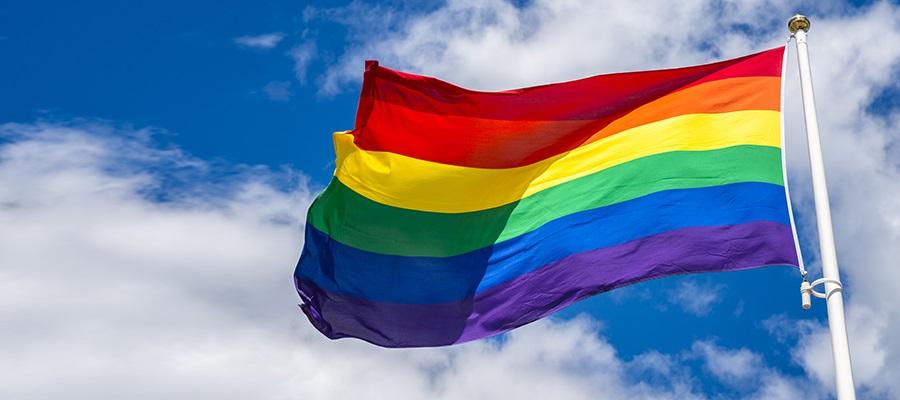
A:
{"points": [[455, 215]]}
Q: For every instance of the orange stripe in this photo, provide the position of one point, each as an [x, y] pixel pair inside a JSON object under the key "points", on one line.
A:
{"points": [[755, 93]]}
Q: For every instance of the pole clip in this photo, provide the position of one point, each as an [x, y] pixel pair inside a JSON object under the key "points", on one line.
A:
{"points": [[807, 290]]}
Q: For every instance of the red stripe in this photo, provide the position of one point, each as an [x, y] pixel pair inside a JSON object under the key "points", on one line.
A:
{"points": [[459, 140], [516, 127]]}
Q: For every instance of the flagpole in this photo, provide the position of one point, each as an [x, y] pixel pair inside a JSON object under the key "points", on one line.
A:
{"points": [[798, 26]]}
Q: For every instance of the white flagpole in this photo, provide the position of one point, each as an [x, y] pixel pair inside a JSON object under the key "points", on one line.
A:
{"points": [[840, 347]]}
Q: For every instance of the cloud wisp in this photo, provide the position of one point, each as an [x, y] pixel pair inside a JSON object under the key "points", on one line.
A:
{"points": [[278, 90], [696, 298], [303, 55], [261, 42]]}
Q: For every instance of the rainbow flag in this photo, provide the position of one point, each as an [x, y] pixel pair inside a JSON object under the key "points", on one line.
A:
{"points": [[456, 214]]}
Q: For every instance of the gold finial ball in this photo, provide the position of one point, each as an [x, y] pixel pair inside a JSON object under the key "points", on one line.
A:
{"points": [[798, 22]]}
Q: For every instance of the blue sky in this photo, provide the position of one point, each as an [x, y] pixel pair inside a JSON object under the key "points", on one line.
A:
{"points": [[204, 81]]}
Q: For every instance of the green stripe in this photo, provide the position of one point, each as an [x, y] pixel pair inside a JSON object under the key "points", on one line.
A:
{"points": [[356, 221]]}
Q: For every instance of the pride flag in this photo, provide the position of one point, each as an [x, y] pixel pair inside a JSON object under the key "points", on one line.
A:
{"points": [[456, 214]]}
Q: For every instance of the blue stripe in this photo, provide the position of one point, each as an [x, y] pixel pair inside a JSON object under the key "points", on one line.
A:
{"points": [[339, 268]]}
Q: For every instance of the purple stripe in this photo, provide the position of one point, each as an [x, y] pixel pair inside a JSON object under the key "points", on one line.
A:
{"points": [[551, 287]]}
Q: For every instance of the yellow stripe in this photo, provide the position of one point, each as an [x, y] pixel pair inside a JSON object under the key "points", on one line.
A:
{"points": [[407, 182]]}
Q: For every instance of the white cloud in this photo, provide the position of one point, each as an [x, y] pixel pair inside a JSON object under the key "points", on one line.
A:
{"points": [[491, 45], [778, 387], [730, 366], [867, 330], [262, 42], [131, 270], [278, 90], [746, 372]]}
